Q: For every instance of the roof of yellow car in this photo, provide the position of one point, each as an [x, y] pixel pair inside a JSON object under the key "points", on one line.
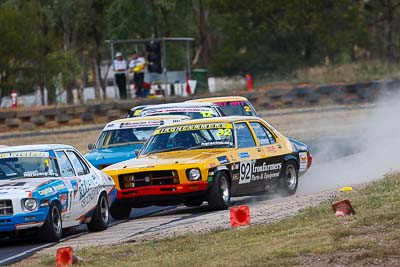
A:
{"points": [[216, 120], [220, 99]]}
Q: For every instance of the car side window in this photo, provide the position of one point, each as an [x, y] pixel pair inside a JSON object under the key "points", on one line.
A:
{"points": [[64, 164], [263, 135], [78, 163], [244, 136]]}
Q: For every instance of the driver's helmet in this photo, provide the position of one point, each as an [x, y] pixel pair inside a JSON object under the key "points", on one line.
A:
{"points": [[126, 135], [184, 139]]}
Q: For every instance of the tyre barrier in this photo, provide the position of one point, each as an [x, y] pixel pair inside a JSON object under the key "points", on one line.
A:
{"points": [[37, 118]]}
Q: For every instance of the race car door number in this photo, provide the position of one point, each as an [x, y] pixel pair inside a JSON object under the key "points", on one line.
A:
{"points": [[245, 172]]}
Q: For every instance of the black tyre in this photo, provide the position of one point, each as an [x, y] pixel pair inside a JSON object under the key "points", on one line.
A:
{"points": [[219, 194], [289, 179], [120, 212], [101, 215], [193, 202], [51, 231]]}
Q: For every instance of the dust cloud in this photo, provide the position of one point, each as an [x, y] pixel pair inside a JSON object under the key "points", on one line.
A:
{"points": [[368, 150]]}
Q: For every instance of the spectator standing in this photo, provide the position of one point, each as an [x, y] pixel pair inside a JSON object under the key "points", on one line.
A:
{"points": [[120, 68], [137, 66]]}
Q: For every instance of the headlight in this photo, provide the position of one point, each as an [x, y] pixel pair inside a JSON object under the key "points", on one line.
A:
{"points": [[29, 204], [193, 174]]}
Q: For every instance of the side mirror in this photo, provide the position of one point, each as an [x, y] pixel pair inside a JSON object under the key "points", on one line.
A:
{"points": [[90, 146], [137, 152]]}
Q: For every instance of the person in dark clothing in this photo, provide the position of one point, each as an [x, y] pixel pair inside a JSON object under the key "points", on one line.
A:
{"points": [[120, 68], [137, 66]]}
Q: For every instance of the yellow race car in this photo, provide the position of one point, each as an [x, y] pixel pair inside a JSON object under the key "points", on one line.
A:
{"points": [[208, 160], [231, 105]]}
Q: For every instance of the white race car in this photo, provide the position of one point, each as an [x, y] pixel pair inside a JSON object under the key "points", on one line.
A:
{"points": [[46, 188]]}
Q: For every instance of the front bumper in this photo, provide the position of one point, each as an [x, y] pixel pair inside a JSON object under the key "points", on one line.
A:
{"points": [[161, 195], [22, 221]]}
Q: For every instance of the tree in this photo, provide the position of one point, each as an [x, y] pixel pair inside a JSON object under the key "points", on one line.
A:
{"points": [[383, 20], [271, 36], [16, 48]]}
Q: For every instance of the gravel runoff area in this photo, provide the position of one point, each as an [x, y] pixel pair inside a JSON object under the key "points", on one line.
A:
{"points": [[182, 220]]}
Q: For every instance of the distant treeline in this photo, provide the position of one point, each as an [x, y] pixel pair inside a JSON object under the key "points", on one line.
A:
{"points": [[61, 43]]}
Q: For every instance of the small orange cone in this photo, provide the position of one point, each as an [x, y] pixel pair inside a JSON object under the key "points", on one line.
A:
{"points": [[64, 257], [249, 83], [240, 216], [343, 208], [188, 90]]}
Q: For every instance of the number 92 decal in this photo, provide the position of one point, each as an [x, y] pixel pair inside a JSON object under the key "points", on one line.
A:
{"points": [[245, 172], [225, 132]]}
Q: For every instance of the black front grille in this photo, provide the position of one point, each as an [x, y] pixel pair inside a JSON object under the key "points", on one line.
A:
{"points": [[139, 179], [6, 207]]}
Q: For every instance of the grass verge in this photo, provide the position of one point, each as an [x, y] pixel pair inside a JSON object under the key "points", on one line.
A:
{"points": [[362, 71], [312, 238]]}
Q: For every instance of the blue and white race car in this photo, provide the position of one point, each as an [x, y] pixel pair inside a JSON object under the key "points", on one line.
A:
{"points": [[120, 138], [46, 188]]}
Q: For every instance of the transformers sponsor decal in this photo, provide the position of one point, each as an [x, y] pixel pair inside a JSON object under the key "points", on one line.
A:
{"points": [[251, 171]]}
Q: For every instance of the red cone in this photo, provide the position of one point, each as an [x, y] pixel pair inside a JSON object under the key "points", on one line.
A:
{"points": [[240, 216], [64, 257], [343, 208], [188, 90]]}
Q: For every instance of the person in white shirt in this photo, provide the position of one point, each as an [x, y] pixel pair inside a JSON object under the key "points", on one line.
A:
{"points": [[137, 66], [120, 68]]}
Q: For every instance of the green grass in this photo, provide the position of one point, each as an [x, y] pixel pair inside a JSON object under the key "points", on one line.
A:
{"points": [[313, 237], [361, 71]]}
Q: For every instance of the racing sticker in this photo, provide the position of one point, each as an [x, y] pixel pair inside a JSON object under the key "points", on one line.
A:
{"points": [[252, 170], [303, 161], [245, 172], [133, 124], [25, 154], [203, 126], [181, 109], [243, 155], [223, 159]]}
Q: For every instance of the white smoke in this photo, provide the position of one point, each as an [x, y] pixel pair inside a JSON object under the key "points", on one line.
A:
{"points": [[373, 138]]}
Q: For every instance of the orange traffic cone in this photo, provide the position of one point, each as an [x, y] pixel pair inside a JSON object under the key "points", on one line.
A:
{"points": [[249, 83], [343, 208], [64, 257], [188, 90], [240, 216]]}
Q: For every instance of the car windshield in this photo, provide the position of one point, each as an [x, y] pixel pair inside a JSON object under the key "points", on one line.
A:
{"points": [[232, 108], [27, 164], [193, 113], [126, 136], [187, 137]]}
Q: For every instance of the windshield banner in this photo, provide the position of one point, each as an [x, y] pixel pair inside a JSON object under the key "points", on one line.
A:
{"points": [[25, 154], [205, 126]]}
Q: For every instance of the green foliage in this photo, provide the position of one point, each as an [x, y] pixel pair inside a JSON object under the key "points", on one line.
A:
{"points": [[282, 35], [17, 46], [43, 40]]}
